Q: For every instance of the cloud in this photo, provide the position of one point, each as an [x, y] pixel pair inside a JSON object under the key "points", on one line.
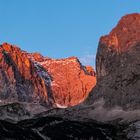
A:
{"points": [[88, 60]]}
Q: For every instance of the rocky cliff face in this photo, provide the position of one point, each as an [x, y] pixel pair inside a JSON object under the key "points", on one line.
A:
{"points": [[20, 79], [70, 80], [118, 65], [32, 78]]}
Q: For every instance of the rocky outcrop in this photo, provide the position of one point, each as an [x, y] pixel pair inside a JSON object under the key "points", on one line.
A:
{"points": [[118, 65], [71, 82], [19, 77], [32, 78]]}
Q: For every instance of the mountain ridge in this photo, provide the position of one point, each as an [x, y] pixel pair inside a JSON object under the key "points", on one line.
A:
{"points": [[30, 77]]}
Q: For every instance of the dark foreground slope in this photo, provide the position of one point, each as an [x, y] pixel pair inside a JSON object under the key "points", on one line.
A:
{"points": [[56, 128]]}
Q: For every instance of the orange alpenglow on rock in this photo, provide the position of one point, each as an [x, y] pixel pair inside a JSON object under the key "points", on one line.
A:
{"points": [[119, 38], [32, 78], [90, 70], [71, 82]]}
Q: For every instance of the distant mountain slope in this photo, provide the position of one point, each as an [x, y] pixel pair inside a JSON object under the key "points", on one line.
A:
{"points": [[32, 78]]}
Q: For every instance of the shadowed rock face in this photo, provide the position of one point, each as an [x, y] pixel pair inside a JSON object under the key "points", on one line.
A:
{"points": [[32, 78], [118, 65]]}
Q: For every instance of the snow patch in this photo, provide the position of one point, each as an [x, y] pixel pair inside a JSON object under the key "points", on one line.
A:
{"points": [[61, 106], [57, 61], [42, 73]]}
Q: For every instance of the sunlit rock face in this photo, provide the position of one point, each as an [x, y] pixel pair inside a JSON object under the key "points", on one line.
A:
{"points": [[118, 65], [19, 77], [71, 82], [123, 39], [32, 78]]}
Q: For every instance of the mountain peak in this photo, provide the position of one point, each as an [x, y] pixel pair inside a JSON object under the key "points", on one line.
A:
{"points": [[125, 35], [31, 77], [118, 64]]}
